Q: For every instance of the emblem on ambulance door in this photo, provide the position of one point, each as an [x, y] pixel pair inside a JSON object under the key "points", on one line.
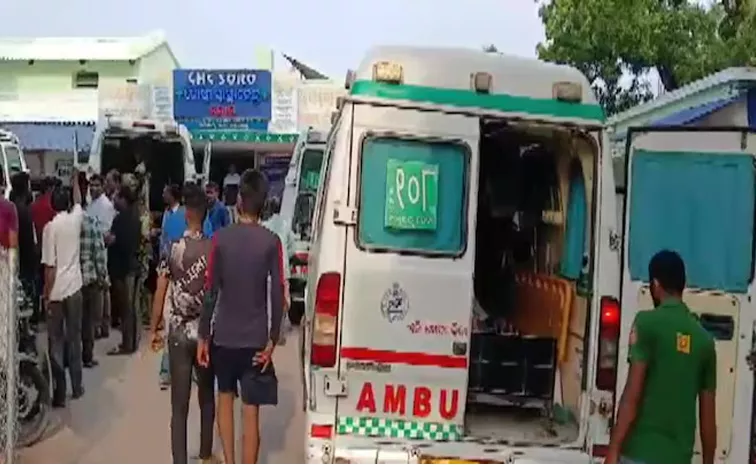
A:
{"points": [[395, 303]]}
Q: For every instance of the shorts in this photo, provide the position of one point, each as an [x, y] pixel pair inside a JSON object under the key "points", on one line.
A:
{"points": [[235, 368]]}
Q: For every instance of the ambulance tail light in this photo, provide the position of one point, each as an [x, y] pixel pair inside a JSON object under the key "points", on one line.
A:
{"points": [[326, 320], [609, 330]]}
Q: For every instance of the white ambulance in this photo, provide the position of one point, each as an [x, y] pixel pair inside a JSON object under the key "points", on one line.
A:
{"points": [[301, 184], [467, 268], [13, 160], [163, 146]]}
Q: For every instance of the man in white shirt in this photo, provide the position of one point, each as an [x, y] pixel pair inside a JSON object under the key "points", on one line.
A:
{"points": [[61, 241], [102, 208], [232, 178]]}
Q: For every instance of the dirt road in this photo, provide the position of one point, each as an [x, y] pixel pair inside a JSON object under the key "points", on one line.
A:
{"points": [[124, 417]]}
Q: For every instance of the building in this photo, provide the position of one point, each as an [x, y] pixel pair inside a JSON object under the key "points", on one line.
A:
{"points": [[49, 89]]}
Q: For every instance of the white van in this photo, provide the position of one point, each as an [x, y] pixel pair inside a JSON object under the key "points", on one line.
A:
{"points": [[165, 148], [453, 314], [461, 188], [301, 185], [13, 160]]}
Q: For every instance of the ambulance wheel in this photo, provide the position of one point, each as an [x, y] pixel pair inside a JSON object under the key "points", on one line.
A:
{"points": [[296, 312]]}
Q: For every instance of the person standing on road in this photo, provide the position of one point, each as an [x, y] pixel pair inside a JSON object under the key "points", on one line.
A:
{"points": [[172, 229], [61, 248], [272, 220], [94, 276], [112, 184], [217, 213], [181, 280], [672, 363], [245, 277], [101, 208], [28, 254], [123, 265]]}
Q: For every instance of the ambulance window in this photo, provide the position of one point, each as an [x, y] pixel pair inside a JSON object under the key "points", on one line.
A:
{"points": [[322, 189], [13, 155], [412, 196], [309, 172]]}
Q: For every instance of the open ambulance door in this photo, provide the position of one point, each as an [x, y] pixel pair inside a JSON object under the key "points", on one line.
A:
{"points": [[600, 375], [687, 187]]}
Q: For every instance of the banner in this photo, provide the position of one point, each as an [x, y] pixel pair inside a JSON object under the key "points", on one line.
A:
{"points": [[123, 100], [206, 93], [284, 108], [316, 102]]}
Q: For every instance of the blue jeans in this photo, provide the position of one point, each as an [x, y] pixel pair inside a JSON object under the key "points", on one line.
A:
{"points": [[165, 373]]}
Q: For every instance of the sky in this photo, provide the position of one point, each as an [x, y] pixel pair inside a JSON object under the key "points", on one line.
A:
{"points": [[328, 35]]}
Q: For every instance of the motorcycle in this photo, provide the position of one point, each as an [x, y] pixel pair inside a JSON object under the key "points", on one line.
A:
{"points": [[34, 382]]}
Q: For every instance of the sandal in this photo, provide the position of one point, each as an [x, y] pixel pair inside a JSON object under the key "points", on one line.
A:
{"points": [[118, 351]]}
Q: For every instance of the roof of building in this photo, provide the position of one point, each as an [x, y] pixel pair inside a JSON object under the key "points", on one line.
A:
{"points": [[725, 76], [81, 48]]}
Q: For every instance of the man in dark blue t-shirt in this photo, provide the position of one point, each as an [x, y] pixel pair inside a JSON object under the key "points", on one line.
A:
{"points": [[245, 271]]}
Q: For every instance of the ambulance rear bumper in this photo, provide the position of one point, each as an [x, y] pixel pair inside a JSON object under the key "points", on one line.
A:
{"points": [[353, 449]]}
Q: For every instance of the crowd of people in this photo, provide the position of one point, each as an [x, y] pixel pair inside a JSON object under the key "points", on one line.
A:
{"points": [[210, 278]]}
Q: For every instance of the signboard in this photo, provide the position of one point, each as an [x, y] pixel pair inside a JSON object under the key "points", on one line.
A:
{"points": [[316, 102], [283, 108], [123, 100], [161, 102], [235, 93], [411, 195]]}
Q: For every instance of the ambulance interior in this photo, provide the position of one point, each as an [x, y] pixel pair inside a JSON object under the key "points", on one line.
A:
{"points": [[530, 282], [163, 156]]}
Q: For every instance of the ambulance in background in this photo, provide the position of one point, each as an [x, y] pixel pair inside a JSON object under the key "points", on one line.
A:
{"points": [[13, 160], [301, 184], [163, 146], [471, 292]]}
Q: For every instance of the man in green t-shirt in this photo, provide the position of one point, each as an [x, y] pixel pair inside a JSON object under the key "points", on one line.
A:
{"points": [[672, 363]]}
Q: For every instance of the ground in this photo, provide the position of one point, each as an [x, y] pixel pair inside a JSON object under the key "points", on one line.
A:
{"points": [[124, 417]]}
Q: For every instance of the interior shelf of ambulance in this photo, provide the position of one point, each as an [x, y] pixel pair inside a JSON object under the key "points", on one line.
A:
{"points": [[163, 156], [531, 303]]}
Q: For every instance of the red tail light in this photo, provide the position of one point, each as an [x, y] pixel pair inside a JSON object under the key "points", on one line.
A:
{"points": [[609, 331], [326, 320]]}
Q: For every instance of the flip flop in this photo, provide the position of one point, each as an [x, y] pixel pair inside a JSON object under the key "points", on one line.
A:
{"points": [[118, 351]]}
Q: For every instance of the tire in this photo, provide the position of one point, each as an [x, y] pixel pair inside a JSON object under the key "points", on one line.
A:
{"points": [[296, 312], [32, 427]]}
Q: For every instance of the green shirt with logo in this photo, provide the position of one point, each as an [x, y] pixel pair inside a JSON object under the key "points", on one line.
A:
{"points": [[681, 362]]}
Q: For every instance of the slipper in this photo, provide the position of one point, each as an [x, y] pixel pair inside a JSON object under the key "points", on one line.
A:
{"points": [[118, 351]]}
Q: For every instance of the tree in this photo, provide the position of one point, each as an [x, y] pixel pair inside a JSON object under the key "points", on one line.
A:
{"points": [[616, 43]]}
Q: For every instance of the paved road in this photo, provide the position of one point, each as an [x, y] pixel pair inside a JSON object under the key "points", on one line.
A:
{"points": [[124, 417]]}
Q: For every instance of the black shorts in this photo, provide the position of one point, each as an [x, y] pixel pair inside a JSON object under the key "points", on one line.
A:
{"points": [[235, 367]]}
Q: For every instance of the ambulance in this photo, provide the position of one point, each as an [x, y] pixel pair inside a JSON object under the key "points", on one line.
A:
{"points": [[163, 146], [13, 160], [470, 289], [301, 184]]}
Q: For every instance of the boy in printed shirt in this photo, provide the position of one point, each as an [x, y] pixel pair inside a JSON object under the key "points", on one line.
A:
{"points": [[181, 274]]}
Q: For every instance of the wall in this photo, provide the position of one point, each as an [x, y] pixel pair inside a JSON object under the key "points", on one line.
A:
{"points": [[735, 114], [44, 90], [157, 66]]}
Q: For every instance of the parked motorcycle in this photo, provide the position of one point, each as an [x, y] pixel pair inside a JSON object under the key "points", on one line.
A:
{"points": [[34, 393]]}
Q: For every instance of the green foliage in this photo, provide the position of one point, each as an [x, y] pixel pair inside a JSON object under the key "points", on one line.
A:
{"points": [[615, 43]]}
